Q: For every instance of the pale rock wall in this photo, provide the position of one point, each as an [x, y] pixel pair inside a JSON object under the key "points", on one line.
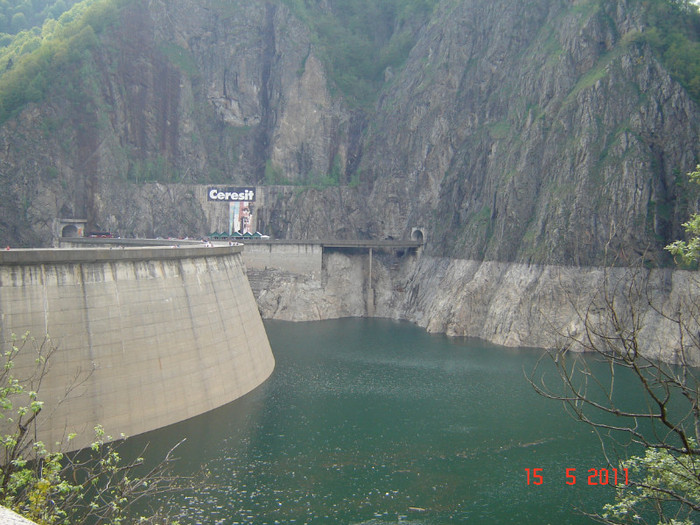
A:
{"points": [[544, 305], [505, 303], [338, 291], [154, 336]]}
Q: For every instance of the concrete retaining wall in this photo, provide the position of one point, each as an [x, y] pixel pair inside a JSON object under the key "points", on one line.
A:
{"points": [[157, 334], [294, 257]]}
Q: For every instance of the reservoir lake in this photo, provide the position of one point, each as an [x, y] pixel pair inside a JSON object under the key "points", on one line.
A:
{"points": [[372, 421]]}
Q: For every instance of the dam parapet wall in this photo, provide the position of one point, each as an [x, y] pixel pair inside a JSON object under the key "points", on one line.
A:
{"points": [[290, 256], [152, 335]]}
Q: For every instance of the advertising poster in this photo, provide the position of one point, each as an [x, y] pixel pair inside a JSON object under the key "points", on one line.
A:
{"points": [[240, 201]]}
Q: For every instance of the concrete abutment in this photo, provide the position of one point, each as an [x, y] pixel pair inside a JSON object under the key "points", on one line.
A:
{"points": [[312, 280], [154, 335]]}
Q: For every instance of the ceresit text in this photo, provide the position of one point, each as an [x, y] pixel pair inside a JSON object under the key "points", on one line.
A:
{"points": [[232, 194]]}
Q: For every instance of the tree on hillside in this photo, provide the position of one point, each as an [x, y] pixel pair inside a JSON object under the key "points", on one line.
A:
{"points": [[655, 451], [94, 486]]}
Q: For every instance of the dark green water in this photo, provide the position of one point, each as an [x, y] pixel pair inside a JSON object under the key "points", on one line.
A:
{"points": [[373, 421]]}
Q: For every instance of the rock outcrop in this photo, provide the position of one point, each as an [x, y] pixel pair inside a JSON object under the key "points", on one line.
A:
{"points": [[177, 92], [538, 135], [545, 136], [512, 304]]}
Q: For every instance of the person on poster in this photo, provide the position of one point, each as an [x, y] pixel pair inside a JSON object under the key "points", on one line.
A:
{"points": [[245, 218]]}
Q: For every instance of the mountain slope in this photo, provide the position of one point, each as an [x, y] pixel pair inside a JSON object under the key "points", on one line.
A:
{"points": [[538, 134], [541, 131]]}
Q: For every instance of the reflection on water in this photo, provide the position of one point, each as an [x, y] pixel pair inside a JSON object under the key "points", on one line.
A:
{"points": [[373, 421]]}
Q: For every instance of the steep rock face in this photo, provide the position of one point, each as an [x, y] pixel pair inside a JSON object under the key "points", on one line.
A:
{"points": [[545, 134], [520, 136], [536, 134], [291, 296], [331, 213], [178, 92], [260, 76]]}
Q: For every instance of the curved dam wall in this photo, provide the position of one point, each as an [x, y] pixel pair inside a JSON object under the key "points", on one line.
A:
{"points": [[153, 335]]}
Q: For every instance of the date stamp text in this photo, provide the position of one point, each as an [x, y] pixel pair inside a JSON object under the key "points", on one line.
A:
{"points": [[594, 476]]}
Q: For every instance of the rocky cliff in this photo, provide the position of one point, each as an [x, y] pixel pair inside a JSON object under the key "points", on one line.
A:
{"points": [[545, 132], [538, 134], [511, 304], [174, 92]]}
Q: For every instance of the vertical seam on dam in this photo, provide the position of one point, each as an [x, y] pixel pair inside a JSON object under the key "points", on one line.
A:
{"points": [[46, 300], [230, 279], [115, 279], [191, 316], [219, 313], [86, 315]]}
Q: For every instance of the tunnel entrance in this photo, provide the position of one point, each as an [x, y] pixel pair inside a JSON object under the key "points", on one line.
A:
{"points": [[70, 231], [67, 229], [417, 235]]}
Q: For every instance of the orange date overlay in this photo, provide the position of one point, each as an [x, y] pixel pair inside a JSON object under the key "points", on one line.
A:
{"points": [[594, 476]]}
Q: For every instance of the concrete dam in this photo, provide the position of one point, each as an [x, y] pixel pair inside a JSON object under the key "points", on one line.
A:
{"points": [[146, 336]]}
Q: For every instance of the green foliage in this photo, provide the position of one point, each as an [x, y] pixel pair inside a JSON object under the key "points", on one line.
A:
{"points": [[20, 15], [319, 182], [180, 57], [38, 61], [674, 34], [355, 180], [688, 252], [499, 130], [336, 171], [659, 473], [96, 485], [157, 169], [273, 174], [359, 39]]}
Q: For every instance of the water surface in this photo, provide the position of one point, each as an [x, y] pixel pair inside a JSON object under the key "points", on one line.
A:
{"points": [[374, 421]]}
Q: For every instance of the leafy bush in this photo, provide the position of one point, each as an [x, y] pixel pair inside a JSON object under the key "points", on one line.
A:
{"points": [[688, 252], [20, 15], [38, 59], [92, 486], [665, 478]]}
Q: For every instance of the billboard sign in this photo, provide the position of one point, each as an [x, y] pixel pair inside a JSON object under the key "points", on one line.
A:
{"points": [[237, 194]]}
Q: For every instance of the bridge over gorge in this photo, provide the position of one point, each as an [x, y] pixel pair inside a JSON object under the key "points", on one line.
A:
{"points": [[307, 256], [362, 244]]}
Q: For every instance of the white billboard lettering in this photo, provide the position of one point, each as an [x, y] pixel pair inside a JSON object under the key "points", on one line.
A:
{"points": [[232, 194]]}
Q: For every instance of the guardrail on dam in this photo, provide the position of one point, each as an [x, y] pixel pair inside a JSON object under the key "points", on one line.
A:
{"points": [[157, 335]]}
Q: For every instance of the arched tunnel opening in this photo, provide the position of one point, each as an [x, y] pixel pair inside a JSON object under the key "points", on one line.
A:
{"points": [[417, 235], [69, 231]]}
